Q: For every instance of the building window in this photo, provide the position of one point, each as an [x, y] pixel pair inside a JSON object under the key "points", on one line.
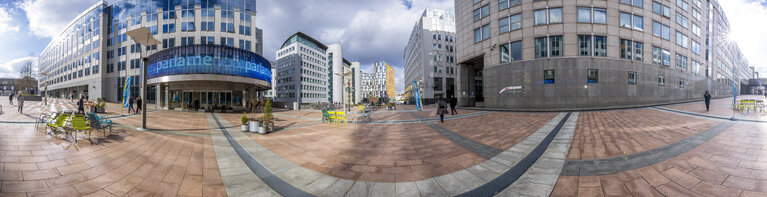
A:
{"points": [[631, 21], [503, 4], [600, 15], [661, 9], [682, 20], [695, 47], [482, 33], [661, 30], [696, 67], [481, 12], [696, 29], [682, 4], [584, 15], [638, 51], [632, 78], [637, 3], [666, 57], [681, 82], [548, 76], [584, 45], [626, 49], [600, 46], [682, 40], [548, 16], [696, 14], [681, 62], [593, 76], [661, 80], [540, 47], [511, 52], [556, 46]]}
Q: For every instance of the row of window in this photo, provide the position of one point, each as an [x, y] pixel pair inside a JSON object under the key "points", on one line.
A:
{"points": [[592, 76]]}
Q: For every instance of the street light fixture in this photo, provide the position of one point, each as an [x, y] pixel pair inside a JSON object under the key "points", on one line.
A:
{"points": [[143, 37]]}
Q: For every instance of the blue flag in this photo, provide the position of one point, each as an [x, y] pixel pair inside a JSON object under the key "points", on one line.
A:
{"points": [[417, 96], [126, 91]]}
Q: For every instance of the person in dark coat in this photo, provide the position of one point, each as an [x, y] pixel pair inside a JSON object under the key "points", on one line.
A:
{"points": [[11, 97], [80, 108], [453, 103], [130, 105], [138, 104], [707, 98], [442, 110]]}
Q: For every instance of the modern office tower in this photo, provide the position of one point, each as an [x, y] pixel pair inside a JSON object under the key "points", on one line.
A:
{"points": [[207, 59], [430, 56], [565, 54], [271, 92], [309, 71], [367, 86], [383, 79]]}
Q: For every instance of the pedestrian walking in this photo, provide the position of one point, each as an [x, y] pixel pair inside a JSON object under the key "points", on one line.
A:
{"points": [[442, 110], [453, 103], [80, 108], [21, 103], [707, 98], [10, 98], [139, 104], [130, 105]]}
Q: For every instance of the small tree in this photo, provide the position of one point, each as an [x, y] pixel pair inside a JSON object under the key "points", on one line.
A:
{"points": [[27, 76], [268, 111], [244, 119]]}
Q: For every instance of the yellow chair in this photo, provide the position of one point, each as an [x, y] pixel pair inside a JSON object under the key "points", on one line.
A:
{"points": [[331, 116], [741, 105], [339, 116], [752, 105], [362, 108]]}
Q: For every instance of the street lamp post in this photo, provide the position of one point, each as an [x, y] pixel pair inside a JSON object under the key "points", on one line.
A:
{"points": [[143, 37]]}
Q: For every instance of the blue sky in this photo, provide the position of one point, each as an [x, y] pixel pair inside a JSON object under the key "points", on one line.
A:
{"points": [[369, 30]]}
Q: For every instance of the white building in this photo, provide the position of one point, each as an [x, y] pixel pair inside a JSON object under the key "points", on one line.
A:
{"points": [[430, 56], [309, 71]]}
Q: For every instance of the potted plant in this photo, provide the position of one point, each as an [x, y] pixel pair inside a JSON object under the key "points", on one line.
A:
{"points": [[254, 123], [101, 106], [244, 126], [266, 121]]}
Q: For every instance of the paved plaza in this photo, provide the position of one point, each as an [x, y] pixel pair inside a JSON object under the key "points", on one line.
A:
{"points": [[671, 150]]}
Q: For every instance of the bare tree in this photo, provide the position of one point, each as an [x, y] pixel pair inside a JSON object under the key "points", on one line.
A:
{"points": [[27, 76]]}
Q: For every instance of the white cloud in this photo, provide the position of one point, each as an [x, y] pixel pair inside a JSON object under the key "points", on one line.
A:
{"points": [[744, 17], [47, 18], [11, 68], [6, 21]]}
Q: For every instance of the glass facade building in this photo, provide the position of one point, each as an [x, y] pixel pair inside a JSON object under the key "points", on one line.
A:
{"points": [[93, 56]]}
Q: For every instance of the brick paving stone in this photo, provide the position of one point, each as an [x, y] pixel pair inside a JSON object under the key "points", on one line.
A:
{"points": [[44, 166], [606, 134]]}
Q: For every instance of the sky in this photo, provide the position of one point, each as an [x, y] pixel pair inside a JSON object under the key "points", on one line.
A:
{"points": [[368, 30]]}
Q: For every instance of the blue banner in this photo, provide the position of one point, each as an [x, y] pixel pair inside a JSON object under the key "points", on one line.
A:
{"points": [[126, 91], [417, 96]]}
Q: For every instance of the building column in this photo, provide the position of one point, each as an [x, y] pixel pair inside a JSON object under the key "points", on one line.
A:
{"points": [[167, 97], [157, 100]]}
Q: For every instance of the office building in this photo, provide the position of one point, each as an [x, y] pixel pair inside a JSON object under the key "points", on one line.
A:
{"points": [[383, 79], [208, 58], [309, 71], [430, 56], [592, 54]]}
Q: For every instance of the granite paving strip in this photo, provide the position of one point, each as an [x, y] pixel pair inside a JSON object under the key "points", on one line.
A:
{"points": [[449, 184], [263, 177], [510, 176], [475, 147], [540, 179], [238, 179], [594, 167]]}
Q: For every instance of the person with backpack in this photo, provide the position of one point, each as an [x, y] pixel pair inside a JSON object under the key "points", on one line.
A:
{"points": [[453, 103], [21, 103], [139, 103], [442, 110]]}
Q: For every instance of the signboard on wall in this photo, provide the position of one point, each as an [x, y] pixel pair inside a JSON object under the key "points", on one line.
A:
{"points": [[209, 59]]}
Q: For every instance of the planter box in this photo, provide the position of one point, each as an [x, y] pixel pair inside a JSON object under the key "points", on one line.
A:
{"points": [[244, 128], [254, 125]]}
